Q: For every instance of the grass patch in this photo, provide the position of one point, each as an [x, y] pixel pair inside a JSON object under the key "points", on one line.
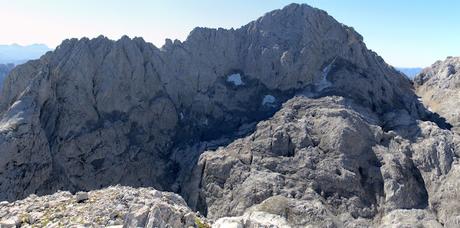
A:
{"points": [[201, 224]]}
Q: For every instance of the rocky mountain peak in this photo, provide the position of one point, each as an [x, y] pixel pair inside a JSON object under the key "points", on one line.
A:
{"points": [[291, 110], [94, 104], [298, 20]]}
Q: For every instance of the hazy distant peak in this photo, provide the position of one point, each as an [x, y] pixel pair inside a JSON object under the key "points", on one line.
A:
{"points": [[410, 72], [15, 53]]}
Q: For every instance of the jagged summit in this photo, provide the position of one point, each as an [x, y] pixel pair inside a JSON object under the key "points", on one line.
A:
{"points": [[296, 18], [295, 103], [99, 93]]}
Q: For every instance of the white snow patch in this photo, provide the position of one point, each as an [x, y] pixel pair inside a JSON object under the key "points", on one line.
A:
{"points": [[235, 79], [324, 83], [252, 219], [268, 100], [14, 117]]}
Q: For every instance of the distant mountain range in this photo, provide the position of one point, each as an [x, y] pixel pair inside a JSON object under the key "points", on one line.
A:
{"points": [[18, 54], [410, 72]]}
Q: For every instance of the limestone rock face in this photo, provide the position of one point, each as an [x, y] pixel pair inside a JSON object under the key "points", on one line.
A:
{"points": [[302, 126], [439, 88], [330, 161], [4, 70], [112, 206], [98, 112]]}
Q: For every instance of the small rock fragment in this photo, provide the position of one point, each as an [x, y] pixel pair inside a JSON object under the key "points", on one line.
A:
{"points": [[81, 197]]}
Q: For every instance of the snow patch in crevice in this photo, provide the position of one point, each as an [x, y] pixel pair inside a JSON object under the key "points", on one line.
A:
{"points": [[235, 79], [324, 83], [15, 116], [269, 100]]}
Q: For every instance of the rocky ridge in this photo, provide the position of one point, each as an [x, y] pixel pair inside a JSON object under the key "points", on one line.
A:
{"points": [[327, 162], [128, 113], [302, 126], [439, 88], [110, 207]]}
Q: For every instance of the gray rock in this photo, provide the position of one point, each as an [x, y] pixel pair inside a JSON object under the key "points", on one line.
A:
{"points": [[320, 132], [439, 89], [329, 162], [98, 112], [151, 208], [81, 197], [410, 218], [10, 223], [4, 70]]}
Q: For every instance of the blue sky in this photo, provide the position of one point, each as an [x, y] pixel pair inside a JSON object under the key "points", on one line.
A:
{"points": [[405, 33]]}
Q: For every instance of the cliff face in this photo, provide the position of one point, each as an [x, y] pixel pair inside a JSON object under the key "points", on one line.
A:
{"points": [[99, 112], [350, 136], [4, 70], [439, 88], [317, 159]]}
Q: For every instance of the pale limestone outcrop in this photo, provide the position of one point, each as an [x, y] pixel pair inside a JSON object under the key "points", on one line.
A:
{"points": [[112, 206], [122, 112], [439, 89], [328, 162], [302, 126]]}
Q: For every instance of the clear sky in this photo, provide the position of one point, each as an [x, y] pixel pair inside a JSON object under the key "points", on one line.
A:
{"points": [[405, 33]]}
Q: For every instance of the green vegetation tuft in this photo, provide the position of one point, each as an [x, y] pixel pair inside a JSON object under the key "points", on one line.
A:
{"points": [[201, 224]]}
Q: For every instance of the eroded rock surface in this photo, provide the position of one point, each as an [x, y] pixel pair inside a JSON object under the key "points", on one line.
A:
{"points": [[112, 206], [302, 126], [439, 88], [4, 70], [126, 112], [328, 161]]}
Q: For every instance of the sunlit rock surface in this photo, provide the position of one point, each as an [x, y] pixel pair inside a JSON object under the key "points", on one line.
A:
{"points": [[289, 120]]}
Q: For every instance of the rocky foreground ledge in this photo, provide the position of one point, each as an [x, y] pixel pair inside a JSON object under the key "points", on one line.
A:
{"points": [[119, 206], [110, 207]]}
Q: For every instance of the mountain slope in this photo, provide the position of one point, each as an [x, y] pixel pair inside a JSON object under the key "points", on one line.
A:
{"points": [[329, 162], [95, 113], [104, 110], [4, 70], [439, 88]]}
